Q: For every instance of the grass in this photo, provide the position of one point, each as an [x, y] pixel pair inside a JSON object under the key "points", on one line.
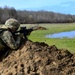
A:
{"points": [[65, 43]]}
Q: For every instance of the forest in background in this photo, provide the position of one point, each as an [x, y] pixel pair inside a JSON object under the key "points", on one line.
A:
{"points": [[25, 17]]}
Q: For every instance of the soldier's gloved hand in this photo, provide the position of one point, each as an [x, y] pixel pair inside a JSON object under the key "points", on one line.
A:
{"points": [[21, 35], [15, 34]]}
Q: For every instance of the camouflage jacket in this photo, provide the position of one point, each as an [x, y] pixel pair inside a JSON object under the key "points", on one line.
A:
{"points": [[9, 40]]}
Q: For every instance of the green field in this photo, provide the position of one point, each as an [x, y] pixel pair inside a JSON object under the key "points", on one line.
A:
{"points": [[65, 43]]}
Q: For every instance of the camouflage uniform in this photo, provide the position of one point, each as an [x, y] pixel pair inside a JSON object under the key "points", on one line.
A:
{"points": [[7, 38]]}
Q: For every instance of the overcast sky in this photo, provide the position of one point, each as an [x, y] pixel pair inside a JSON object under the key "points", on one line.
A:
{"points": [[60, 6]]}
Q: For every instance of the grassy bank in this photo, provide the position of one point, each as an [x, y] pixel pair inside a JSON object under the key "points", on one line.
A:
{"points": [[65, 43]]}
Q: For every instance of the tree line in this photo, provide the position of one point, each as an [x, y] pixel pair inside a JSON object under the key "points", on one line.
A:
{"points": [[24, 16]]}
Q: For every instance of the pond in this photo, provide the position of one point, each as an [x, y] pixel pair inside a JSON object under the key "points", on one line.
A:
{"points": [[69, 34]]}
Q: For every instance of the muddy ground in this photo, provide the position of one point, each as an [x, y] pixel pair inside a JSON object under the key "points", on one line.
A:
{"points": [[34, 58]]}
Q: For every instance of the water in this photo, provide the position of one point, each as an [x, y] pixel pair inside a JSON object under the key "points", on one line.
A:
{"points": [[69, 34]]}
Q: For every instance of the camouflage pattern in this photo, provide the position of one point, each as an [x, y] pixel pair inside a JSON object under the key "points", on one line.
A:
{"points": [[8, 38], [10, 23], [1, 45]]}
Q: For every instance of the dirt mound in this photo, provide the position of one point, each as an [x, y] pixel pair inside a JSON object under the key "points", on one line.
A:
{"points": [[36, 58], [39, 28]]}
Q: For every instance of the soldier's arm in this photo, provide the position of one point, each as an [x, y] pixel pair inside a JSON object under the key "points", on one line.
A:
{"points": [[9, 40]]}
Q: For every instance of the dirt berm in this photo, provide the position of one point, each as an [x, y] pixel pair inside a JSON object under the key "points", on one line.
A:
{"points": [[35, 58]]}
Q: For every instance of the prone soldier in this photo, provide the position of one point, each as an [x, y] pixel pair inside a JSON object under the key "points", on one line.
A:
{"points": [[9, 37]]}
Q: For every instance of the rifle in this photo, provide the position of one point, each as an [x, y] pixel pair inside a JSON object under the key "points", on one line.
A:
{"points": [[22, 30], [25, 31]]}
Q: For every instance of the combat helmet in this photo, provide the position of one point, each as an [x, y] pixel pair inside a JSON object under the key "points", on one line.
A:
{"points": [[12, 22]]}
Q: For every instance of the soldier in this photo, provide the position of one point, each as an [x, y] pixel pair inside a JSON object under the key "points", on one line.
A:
{"points": [[7, 38]]}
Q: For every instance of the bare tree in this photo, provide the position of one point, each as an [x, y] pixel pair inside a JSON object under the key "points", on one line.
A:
{"points": [[24, 16]]}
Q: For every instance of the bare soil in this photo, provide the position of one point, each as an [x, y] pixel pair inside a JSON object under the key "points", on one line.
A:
{"points": [[39, 28], [37, 58]]}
